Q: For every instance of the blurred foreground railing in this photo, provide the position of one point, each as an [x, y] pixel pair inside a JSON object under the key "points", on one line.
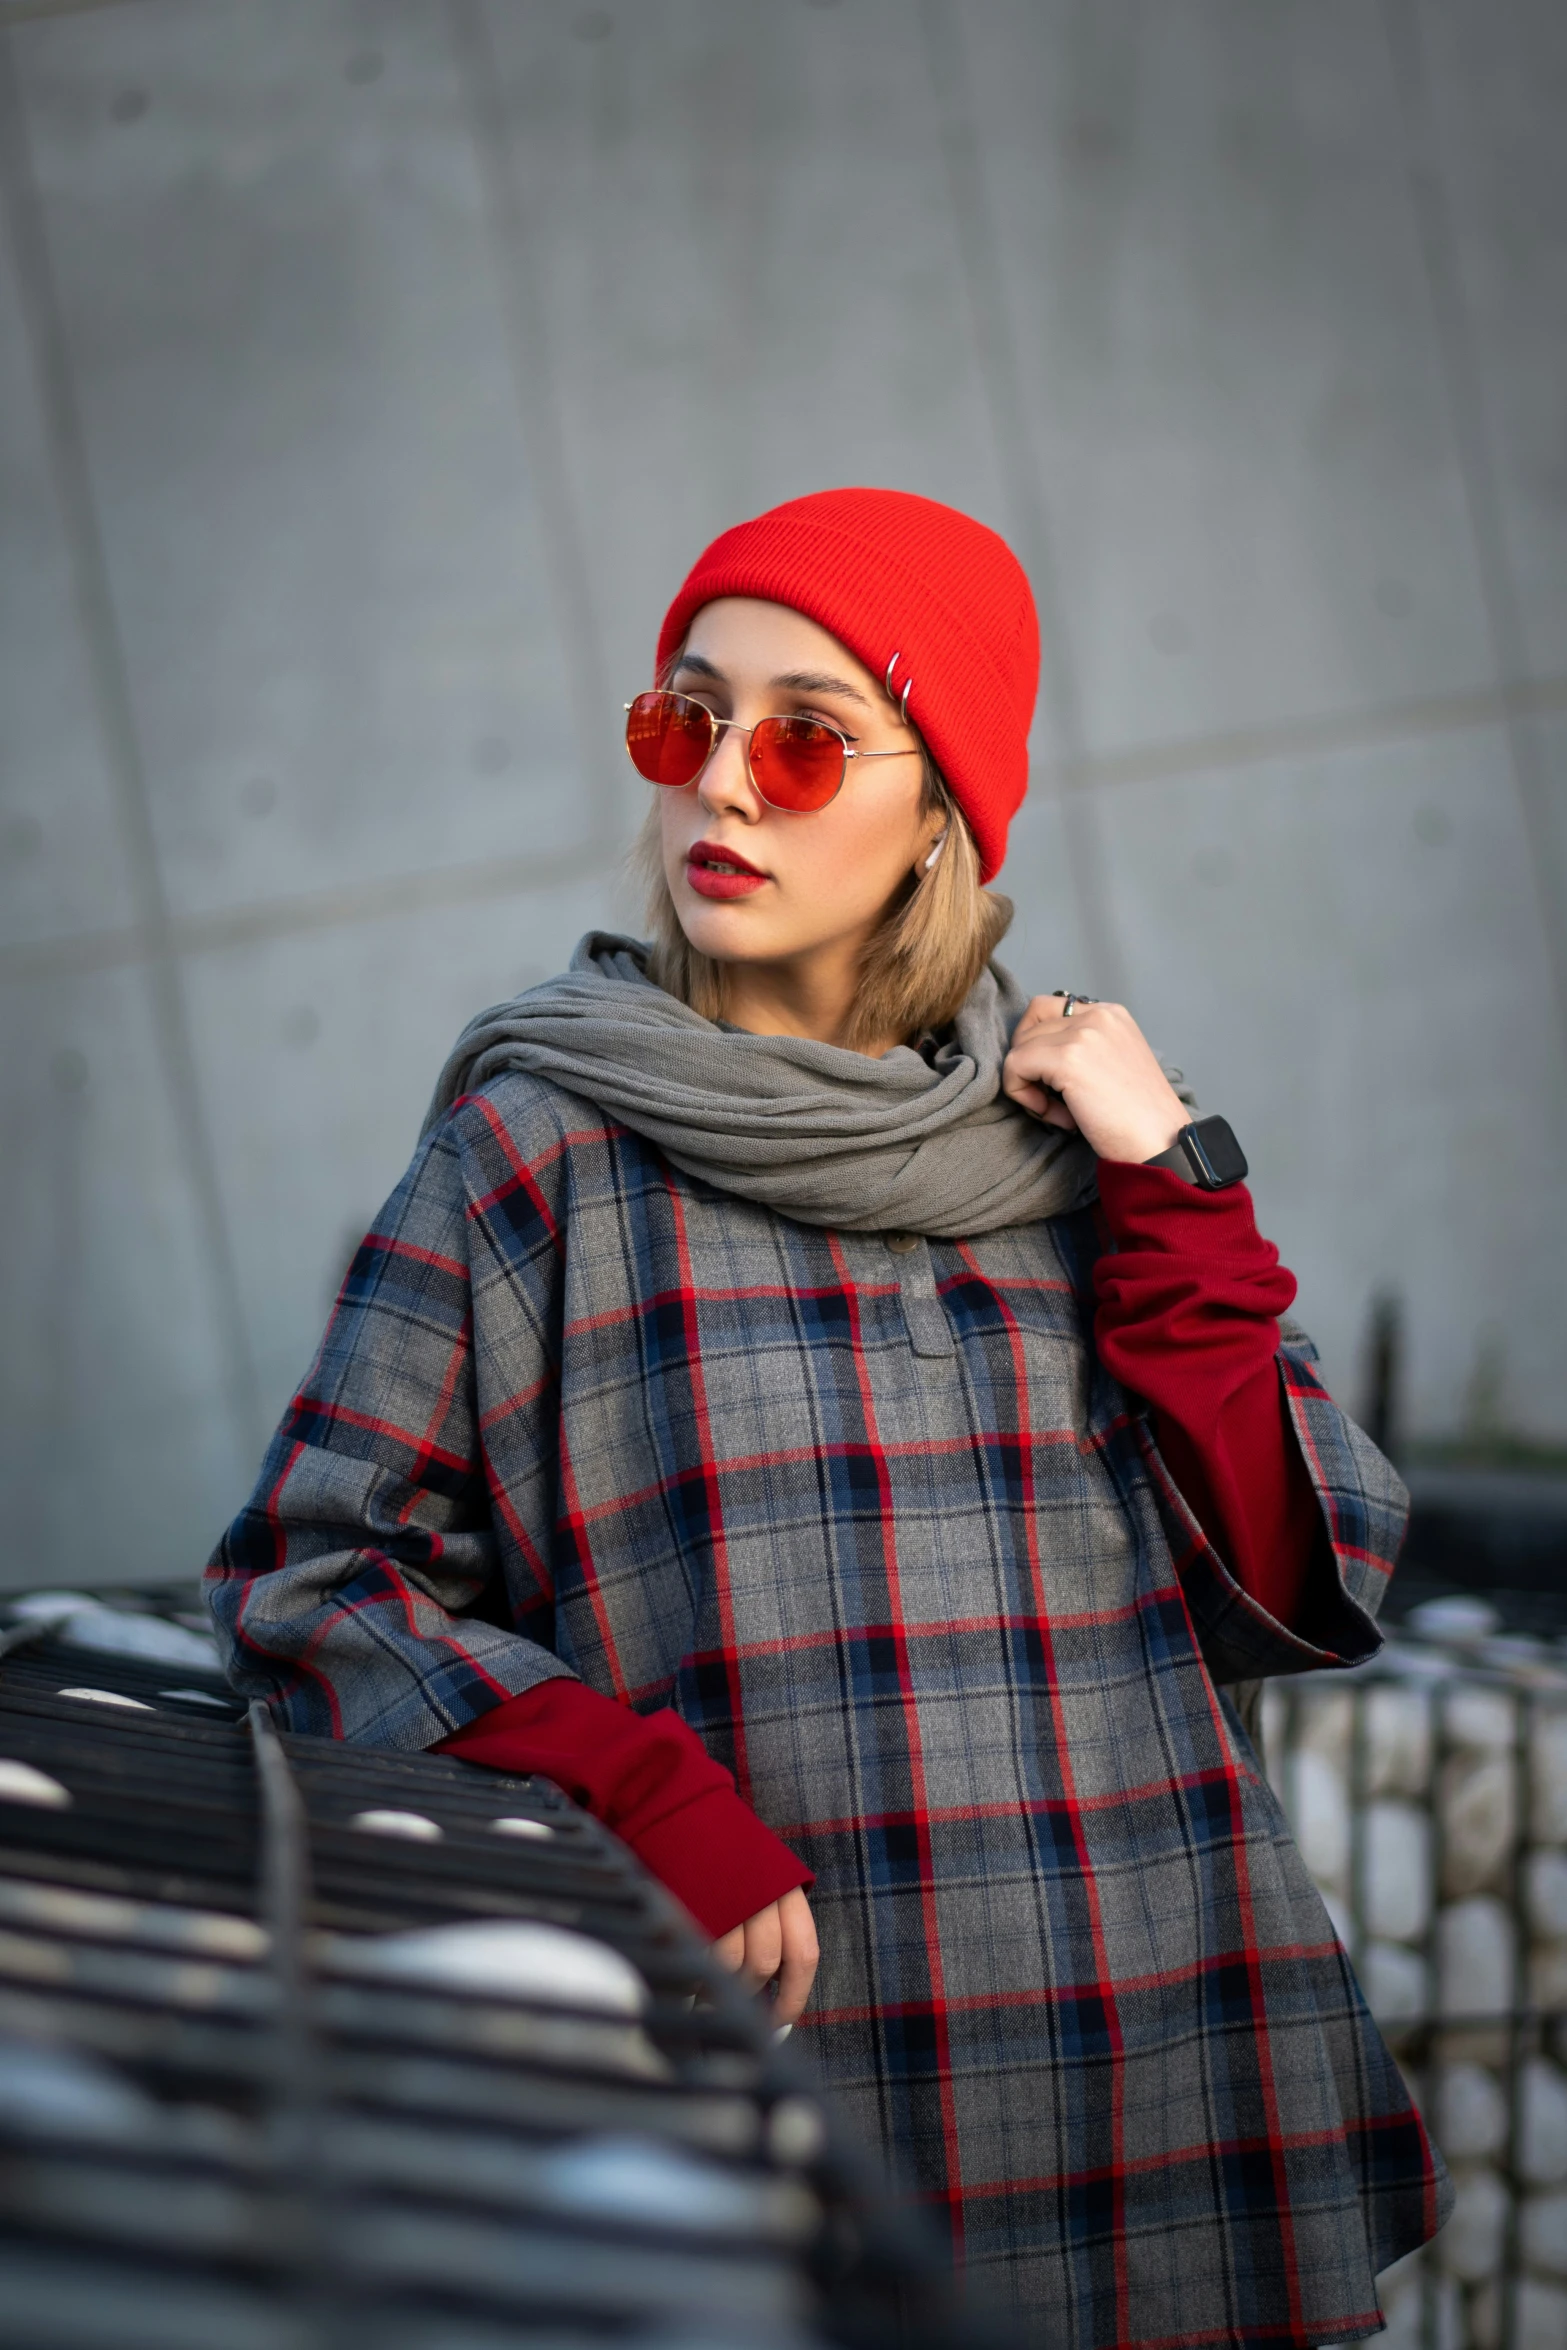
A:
{"points": [[1428, 1794], [310, 2046]]}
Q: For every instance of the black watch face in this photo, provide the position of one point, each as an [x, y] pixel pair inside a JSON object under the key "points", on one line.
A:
{"points": [[1226, 1161]]}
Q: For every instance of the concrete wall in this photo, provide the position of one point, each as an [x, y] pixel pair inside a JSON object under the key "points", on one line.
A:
{"points": [[370, 370]]}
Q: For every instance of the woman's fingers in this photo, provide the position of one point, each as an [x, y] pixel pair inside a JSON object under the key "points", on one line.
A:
{"points": [[1033, 1095], [1095, 1070], [753, 1950], [763, 1946], [729, 1949], [1017, 1081], [797, 1967], [1034, 1050], [779, 1941]]}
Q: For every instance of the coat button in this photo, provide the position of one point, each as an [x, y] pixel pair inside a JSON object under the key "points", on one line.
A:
{"points": [[902, 1242]]}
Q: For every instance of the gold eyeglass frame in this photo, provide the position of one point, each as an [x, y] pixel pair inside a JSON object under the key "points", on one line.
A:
{"points": [[718, 725]]}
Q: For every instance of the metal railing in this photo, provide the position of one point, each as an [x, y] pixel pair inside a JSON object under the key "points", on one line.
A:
{"points": [[222, 2119]]}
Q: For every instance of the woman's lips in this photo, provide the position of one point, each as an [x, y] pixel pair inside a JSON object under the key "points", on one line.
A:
{"points": [[721, 873]]}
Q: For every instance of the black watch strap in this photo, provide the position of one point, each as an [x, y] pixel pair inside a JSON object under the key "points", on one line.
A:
{"points": [[1206, 1154]]}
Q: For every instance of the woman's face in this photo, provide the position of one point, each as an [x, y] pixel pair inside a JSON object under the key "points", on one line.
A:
{"points": [[756, 885]]}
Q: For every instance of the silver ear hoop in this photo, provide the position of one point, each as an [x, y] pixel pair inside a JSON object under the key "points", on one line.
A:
{"points": [[891, 690]]}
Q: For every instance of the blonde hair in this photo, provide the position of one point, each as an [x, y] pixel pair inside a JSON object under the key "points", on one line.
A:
{"points": [[920, 962]]}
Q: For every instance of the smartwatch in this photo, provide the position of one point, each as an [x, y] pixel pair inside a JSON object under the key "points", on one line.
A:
{"points": [[1205, 1153]]}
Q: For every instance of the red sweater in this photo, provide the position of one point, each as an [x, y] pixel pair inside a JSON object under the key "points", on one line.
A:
{"points": [[1187, 1319]]}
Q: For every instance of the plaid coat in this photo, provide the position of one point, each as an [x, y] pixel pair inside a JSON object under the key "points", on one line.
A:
{"points": [[870, 1514]]}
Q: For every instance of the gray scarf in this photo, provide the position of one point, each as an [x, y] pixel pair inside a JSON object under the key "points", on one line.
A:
{"points": [[915, 1142]]}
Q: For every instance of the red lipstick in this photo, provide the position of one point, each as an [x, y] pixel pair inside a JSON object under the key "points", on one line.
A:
{"points": [[716, 872]]}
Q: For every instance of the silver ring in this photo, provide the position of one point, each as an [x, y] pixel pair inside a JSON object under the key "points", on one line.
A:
{"points": [[1072, 1001]]}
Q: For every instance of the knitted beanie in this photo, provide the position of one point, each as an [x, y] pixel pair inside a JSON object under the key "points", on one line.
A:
{"points": [[931, 602]]}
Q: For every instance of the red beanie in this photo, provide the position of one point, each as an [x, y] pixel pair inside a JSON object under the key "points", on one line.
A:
{"points": [[910, 587]]}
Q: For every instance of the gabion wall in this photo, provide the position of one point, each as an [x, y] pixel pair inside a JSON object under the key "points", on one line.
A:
{"points": [[1428, 1793]]}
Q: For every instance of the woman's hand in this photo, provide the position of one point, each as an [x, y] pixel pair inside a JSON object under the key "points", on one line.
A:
{"points": [[780, 1940], [1094, 1072]]}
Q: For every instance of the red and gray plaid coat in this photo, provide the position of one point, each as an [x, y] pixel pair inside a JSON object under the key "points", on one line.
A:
{"points": [[870, 1514]]}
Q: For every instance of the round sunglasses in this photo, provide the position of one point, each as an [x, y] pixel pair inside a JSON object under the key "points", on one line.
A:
{"points": [[797, 764]]}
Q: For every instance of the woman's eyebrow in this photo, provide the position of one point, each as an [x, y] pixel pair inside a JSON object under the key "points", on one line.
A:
{"points": [[703, 667], [819, 681]]}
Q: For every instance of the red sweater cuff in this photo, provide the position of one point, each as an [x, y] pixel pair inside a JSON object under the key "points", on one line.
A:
{"points": [[650, 1778], [1151, 1208], [719, 1860], [1187, 1319]]}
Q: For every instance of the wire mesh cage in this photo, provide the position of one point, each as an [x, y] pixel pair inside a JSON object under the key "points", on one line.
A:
{"points": [[305, 2046], [1428, 1795]]}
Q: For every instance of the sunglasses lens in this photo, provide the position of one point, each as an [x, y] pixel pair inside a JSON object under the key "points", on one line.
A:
{"points": [[797, 763], [669, 738]]}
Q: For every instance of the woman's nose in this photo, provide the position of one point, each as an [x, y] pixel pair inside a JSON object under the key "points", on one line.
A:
{"points": [[724, 785]]}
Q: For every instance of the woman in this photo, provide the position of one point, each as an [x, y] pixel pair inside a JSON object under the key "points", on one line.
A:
{"points": [[827, 1415]]}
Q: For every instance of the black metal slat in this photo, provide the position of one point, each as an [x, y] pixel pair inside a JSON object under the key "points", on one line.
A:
{"points": [[388, 2155]]}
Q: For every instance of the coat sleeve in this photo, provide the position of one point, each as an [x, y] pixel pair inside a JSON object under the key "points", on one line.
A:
{"points": [[344, 1593], [1363, 1508]]}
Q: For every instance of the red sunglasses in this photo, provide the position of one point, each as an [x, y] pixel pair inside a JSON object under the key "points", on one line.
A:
{"points": [[795, 763]]}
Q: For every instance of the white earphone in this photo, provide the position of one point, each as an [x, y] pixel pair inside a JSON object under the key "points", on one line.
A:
{"points": [[935, 853]]}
